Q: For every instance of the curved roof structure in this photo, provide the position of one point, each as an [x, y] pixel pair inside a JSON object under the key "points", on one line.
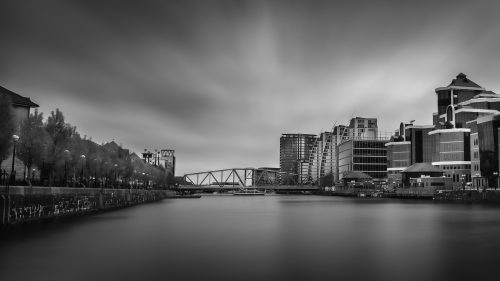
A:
{"points": [[487, 94], [422, 168], [353, 175]]}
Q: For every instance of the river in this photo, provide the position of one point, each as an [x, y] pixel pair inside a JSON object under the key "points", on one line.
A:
{"points": [[262, 238]]}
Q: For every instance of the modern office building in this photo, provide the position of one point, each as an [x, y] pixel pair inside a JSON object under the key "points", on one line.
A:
{"points": [[485, 151], [451, 153], [363, 155], [398, 159], [322, 156], [460, 89], [348, 148], [462, 139], [295, 150], [466, 146], [410, 144]]}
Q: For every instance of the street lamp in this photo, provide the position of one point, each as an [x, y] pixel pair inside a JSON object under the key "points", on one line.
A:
{"points": [[81, 175], [66, 155], [114, 174], [496, 177], [33, 175], [15, 138], [96, 160]]}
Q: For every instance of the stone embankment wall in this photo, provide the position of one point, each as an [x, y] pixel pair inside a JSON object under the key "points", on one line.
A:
{"points": [[26, 204]]}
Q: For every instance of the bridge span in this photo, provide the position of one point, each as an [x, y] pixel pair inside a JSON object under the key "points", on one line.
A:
{"points": [[278, 188], [241, 178]]}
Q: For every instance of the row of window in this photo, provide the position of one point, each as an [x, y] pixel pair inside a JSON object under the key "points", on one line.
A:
{"points": [[476, 167], [369, 167], [369, 160], [460, 178], [455, 167], [476, 154], [370, 144], [370, 152]]}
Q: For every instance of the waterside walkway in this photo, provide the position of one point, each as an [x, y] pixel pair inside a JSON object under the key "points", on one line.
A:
{"points": [[30, 204]]}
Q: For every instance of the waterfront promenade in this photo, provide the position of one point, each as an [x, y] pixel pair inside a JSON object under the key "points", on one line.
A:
{"points": [[28, 204]]}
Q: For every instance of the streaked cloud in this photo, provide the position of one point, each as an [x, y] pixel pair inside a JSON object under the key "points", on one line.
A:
{"points": [[219, 81]]}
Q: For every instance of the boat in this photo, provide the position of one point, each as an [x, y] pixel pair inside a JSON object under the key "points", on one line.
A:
{"points": [[249, 192]]}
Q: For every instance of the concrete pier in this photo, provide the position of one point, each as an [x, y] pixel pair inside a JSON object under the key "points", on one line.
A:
{"points": [[26, 204]]}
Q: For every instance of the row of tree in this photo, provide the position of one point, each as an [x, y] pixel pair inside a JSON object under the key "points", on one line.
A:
{"points": [[65, 158]]}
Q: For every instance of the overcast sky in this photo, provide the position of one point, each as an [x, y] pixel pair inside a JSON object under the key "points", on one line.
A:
{"points": [[220, 81]]}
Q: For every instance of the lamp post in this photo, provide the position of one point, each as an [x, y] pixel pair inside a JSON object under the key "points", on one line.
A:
{"points": [[66, 155], [81, 174], [15, 138], [115, 176], [496, 178], [95, 171], [462, 177]]}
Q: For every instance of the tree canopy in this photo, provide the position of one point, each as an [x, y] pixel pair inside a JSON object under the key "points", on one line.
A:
{"points": [[6, 125], [63, 156]]}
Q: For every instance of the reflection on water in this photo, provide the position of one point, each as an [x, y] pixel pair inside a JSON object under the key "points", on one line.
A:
{"points": [[263, 238]]}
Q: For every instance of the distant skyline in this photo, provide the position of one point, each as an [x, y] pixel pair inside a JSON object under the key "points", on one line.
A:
{"points": [[220, 81]]}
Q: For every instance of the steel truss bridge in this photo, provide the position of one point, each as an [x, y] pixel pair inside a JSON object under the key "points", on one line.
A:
{"points": [[241, 178]]}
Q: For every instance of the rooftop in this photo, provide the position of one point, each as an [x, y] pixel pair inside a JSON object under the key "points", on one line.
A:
{"points": [[462, 81], [17, 99], [422, 168], [355, 175]]}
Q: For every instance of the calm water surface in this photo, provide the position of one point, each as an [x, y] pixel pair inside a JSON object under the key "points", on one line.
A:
{"points": [[263, 238]]}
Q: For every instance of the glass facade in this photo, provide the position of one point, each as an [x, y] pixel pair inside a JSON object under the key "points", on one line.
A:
{"points": [[421, 144], [295, 148], [488, 149], [367, 156], [398, 155], [322, 157], [444, 97], [451, 153]]}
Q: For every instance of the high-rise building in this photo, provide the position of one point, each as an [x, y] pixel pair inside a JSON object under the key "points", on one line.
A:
{"points": [[361, 148], [321, 158], [363, 128], [294, 154]]}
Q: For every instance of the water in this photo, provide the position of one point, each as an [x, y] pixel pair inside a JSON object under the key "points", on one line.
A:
{"points": [[262, 238]]}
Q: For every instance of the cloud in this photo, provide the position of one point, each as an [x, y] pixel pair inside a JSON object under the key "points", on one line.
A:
{"points": [[219, 82]]}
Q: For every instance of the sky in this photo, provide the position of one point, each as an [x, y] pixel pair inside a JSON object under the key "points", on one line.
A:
{"points": [[220, 81]]}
